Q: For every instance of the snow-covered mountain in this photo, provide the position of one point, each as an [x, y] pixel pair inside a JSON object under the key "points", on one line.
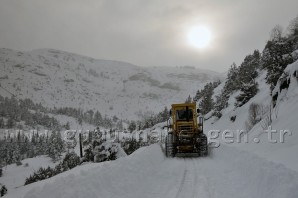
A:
{"points": [[62, 79]]}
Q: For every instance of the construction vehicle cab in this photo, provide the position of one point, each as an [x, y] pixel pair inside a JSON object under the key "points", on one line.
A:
{"points": [[186, 134]]}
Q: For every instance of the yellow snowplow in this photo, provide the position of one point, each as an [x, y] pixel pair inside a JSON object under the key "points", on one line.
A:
{"points": [[186, 134]]}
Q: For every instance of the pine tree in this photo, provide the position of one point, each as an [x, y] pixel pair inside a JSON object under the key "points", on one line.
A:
{"points": [[98, 119], [247, 92], [56, 146], [276, 56], [232, 83], [132, 126], [16, 153], [246, 77], [188, 99], [206, 104], [220, 104]]}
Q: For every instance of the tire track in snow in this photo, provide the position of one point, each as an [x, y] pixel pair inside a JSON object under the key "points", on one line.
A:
{"points": [[203, 183], [194, 192], [182, 181], [190, 181]]}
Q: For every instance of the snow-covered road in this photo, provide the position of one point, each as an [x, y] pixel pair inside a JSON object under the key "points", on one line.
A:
{"points": [[227, 172]]}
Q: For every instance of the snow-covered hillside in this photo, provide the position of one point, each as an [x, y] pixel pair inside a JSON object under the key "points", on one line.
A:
{"points": [[63, 79], [282, 146]]}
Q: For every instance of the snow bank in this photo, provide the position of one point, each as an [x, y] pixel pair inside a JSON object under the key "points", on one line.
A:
{"points": [[147, 173]]}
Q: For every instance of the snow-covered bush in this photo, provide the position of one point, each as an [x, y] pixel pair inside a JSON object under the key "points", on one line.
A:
{"points": [[41, 174], [88, 154], [3, 190], [130, 146], [105, 152], [70, 161]]}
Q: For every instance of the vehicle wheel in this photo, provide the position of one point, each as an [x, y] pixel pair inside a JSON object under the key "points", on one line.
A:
{"points": [[170, 146], [203, 145]]}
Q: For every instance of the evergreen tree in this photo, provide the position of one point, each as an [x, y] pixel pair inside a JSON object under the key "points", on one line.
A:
{"points": [[276, 56], [98, 119], [247, 92], [55, 147], [220, 104], [188, 99], [246, 77], [232, 83], [132, 126], [206, 104]]}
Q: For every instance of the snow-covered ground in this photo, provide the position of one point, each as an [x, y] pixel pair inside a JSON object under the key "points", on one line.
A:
{"points": [[228, 172], [14, 176], [284, 121]]}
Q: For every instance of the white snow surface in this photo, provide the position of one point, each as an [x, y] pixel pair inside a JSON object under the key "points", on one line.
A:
{"points": [[228, 172], [284, 118], [61, 79], [14, 176]]}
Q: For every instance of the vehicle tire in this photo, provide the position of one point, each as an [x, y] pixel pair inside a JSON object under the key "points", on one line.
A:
{"points": [[170, 146], [203, 146]]}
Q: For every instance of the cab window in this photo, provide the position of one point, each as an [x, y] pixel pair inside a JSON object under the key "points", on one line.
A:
{"points": [[184, 115]]}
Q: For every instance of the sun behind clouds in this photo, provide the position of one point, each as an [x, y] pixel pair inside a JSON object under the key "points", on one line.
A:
{"points": [[199, 36]]}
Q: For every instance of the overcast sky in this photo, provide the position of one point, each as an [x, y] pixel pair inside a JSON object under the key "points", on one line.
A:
{"points": [[144, 32]]}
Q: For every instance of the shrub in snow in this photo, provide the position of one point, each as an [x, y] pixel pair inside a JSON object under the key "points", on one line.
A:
{"points": [[88, 154], [105, 152], [233, 118], [41, 174], [3, 190], [26, 165], [130, 146], [0, 172], [70, 161]]}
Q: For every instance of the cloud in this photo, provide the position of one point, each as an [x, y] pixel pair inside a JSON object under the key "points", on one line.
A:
{"points": [[143, 32]]}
